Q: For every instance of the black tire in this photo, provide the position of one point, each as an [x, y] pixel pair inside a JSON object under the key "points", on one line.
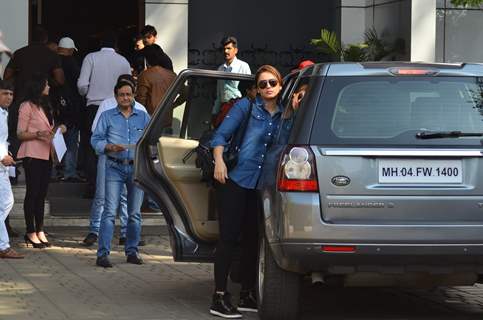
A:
{"points": [[278, 290]]}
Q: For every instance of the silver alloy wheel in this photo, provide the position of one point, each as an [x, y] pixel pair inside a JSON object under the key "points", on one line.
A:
{"points": [[261, 270]]}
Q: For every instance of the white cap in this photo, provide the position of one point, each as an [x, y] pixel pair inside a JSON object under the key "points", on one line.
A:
{"points": [[3, 46], [67, 43]]}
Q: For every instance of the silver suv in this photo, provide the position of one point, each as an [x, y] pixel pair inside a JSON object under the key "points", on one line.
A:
{"points": [[375, 177]]}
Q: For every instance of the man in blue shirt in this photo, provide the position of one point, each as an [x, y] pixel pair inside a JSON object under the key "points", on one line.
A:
{"points": [[116, 135]]}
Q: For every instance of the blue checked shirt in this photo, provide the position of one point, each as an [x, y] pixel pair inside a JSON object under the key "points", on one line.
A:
{"points": [[114, 128], [258, 137]]}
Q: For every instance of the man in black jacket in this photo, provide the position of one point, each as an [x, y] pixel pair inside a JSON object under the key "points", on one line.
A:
{"points": [[34, 58], [150, 35], [68, 102]]}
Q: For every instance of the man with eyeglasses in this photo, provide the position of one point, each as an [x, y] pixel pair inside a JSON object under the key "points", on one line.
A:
{"points": [[227, 90], [115, 136], [6, 160]]}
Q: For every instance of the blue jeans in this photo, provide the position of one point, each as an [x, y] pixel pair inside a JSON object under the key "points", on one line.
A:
{"points": [[118, 176], [70, 159], [98, 203]]}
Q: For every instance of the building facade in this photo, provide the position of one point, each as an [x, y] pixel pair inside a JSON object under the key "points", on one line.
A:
{"points": [[271, 31]]}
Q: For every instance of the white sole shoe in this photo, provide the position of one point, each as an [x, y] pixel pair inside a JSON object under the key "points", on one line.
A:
{"points": [[247, 309], [227, 316]]}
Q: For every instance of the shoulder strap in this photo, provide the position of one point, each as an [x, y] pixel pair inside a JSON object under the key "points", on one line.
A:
{"points": [[240, 133]]}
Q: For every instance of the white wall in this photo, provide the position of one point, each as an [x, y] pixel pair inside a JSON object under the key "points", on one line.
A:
{"points": [[170, 18], [423, 30], [14, 26]]}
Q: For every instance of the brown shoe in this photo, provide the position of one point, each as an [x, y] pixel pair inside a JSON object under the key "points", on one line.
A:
{"points": [[9, 253]]}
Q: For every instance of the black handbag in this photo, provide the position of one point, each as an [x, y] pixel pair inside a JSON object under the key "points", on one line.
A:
{"points": [[204, 152]]}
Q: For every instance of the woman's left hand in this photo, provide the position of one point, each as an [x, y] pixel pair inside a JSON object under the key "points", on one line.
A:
{"points": [[221, 173]]}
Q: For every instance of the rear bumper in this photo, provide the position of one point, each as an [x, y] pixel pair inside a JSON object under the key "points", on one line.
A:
{"points": [[297, 233], [380, 258]]}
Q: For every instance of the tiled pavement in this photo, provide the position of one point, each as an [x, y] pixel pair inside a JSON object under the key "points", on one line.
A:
{"points": [[62, 283]]}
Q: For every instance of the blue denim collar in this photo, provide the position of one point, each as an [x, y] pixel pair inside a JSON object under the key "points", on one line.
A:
{"points": [[133, 111], [261, 105]]}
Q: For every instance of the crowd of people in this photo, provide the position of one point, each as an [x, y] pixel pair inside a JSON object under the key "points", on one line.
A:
{"points": [[47, 91], [102, 108]]}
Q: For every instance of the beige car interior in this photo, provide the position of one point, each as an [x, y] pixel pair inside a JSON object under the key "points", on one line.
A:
{"points": [[196, 196], [186, 179]]}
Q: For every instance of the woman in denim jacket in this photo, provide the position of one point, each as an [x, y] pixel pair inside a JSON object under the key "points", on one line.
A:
{"points": [[236, 197]]}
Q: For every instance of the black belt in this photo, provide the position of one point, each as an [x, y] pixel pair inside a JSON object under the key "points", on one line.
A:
{"points": [[121, 161]]}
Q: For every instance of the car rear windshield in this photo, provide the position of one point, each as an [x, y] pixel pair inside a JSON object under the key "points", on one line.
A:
{"points": [[391, 110]]}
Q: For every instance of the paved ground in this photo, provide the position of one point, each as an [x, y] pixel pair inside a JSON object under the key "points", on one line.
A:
{"points": [[62, 283]]}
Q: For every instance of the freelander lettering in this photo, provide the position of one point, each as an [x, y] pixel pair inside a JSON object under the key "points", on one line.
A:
{"points": [[356, 204]]}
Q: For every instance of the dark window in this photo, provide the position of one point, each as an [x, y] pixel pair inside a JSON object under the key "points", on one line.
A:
{"points": [[292, 104], [391, 110]]}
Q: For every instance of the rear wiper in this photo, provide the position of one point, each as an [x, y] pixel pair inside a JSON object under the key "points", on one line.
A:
{"points": [[446, 134]]}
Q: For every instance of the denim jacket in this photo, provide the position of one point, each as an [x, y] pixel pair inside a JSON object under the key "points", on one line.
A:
{"points": [[258, 137]]}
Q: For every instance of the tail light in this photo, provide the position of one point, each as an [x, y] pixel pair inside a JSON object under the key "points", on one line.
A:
{"points": [[297, 170], [413, 71]]}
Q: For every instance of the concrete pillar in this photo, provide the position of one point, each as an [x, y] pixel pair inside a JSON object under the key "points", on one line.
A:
{"points": [[170, 18], [423, 30], [14, 22]]}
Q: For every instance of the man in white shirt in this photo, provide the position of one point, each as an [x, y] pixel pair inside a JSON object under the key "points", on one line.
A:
{"points": [[6, 160], [97, 207], [99, 73], [228, 89]]}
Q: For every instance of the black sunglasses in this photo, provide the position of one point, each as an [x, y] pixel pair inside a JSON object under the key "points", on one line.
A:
{"points": [[262, 84]]}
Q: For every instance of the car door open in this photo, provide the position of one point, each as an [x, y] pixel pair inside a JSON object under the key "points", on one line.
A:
{"points": [[165, 170]]}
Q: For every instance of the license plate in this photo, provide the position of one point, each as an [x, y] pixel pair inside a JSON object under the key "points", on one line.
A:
{"points": [[420, 171]]}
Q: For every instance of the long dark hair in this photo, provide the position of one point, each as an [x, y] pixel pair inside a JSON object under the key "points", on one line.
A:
{"points": [[35, 87]]}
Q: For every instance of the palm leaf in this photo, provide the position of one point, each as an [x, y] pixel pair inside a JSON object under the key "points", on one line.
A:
{"points": [[376, 50], [355, 53], [328, 43]]}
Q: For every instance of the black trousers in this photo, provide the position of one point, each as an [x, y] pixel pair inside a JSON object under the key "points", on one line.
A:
{"points": [[238, 210], [88, 153], [37, 175]]}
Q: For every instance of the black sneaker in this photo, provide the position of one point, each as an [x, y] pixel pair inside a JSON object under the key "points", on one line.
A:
{"points": [[134, 259], [90, 239], [222, 306], [103, 262], [248, 302]]}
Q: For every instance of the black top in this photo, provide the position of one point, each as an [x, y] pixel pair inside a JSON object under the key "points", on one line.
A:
{"points": [[66, 100], [29, 60], [138, 62]]}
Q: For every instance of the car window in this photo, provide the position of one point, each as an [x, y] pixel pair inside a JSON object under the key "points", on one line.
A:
{"points": [[190, 113], [390, 110], [291, 106]]}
